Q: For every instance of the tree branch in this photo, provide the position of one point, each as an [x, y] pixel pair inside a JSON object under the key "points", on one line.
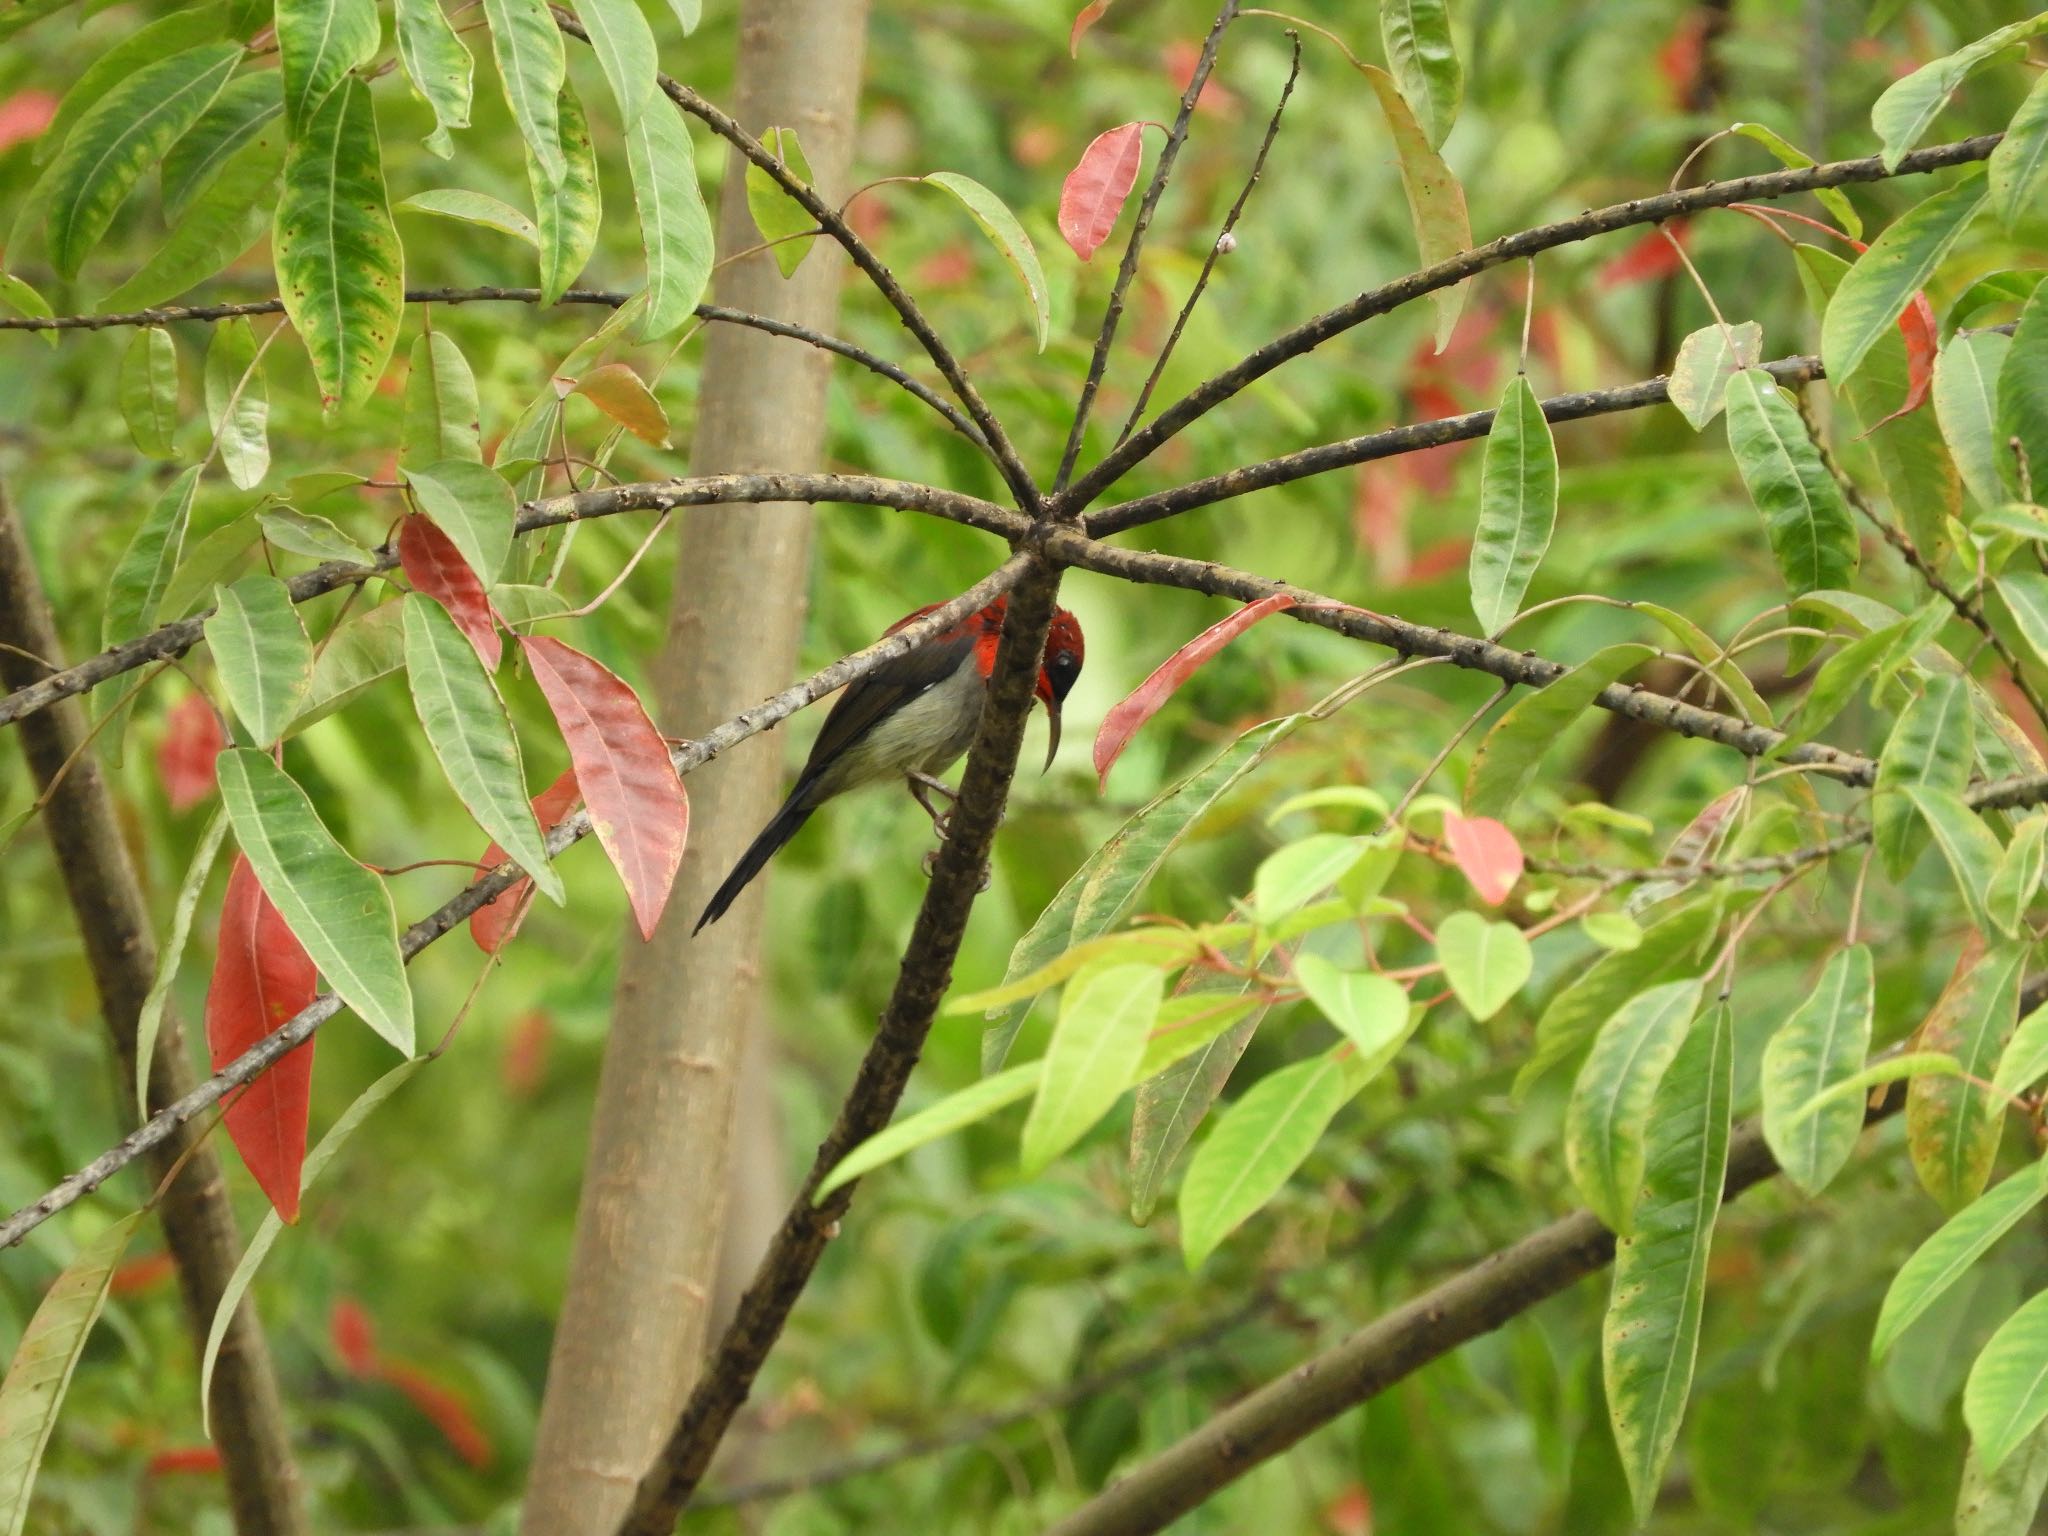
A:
{"points": [[113, 920], [172, 314], [1445, 274], [1494, 1291], [1127, 269], [180, 635], [921, 983], [295, 1031]]}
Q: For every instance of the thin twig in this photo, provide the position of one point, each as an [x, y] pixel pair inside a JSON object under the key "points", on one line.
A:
{"points": [[1127, 269], [1217, 248]]}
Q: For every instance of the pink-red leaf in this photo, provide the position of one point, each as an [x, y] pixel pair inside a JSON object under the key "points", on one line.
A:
{"points": [[637, 805], [1922, 342], [262, 976], [1652, 256], [1093, 194], [353, 1336], [442, 1407], [435, 566], [1486, 852], [1124, 721], [1087, 16], [184, 759], [491, 924]]}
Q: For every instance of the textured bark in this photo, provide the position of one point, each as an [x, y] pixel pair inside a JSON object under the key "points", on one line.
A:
{"points": [[113, 919], [648, 1239]]}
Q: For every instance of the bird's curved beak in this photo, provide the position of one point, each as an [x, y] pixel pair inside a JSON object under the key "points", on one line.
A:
{"points": [[1052, 735]]}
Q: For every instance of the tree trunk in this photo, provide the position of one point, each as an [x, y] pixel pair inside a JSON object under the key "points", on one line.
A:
{"points": [[653, 1212], [113, 919]]}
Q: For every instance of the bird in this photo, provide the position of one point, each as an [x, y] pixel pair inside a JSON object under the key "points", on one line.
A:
{"points": [[911, 719]]}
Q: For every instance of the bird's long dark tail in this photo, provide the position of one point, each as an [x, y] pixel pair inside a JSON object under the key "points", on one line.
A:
{"points": [[782, 826]]}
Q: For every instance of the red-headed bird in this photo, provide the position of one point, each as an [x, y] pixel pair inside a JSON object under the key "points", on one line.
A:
{"points": [[910, 719]]}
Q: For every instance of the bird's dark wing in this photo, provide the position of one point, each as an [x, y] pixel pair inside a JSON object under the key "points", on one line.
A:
{"points": [[873, 698]]}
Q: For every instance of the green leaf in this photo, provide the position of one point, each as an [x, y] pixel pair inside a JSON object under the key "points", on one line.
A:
{"points": [[1952, 1123], [441, 412], [1291, 876], [318, 43], [477, 208], [2023, 595], [1671, 946], [675, 227], [149, 391], [1185, 1068], [2009, 1503], [1436, 201], [1256, 1145], [265, 660], [339, 265], [146, 45], [1831, 198], [237, 408], [1811, 533], [956, 1111], [2023, 401], [1908, 107], [205, 566], [1001, 226], [1823, 1042], [624, 45], [1095, 1049], [1417, 36], [688, 13], [268, 1228], [24, 300], [1613, 930], [776, 214], [2018, 170], [1368, 1010], [1951, 1252], [1517, 506], [1727, 670], [1931, 745], [339, 911], [1506, 763], [149, 1018], [1098, 894], [224, 222], [1611, 1101], [304, 533], [2024, 1061], [567, 209], [246, 106], [438, 64], [145, 566], [1486, 963], [43, 1362], [1707, 360], [2006, 1397], [466, 725], [1967, 846], [360, 652], [1966, 406], [125, 133], [1884, 279], [473, 506], [528, 49], [2018, 877], [1650, 1335]]}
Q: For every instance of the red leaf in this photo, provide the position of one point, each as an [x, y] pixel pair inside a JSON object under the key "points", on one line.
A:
{"points": [[25, 115], [184, 758], [491, 924], [443, 1409], [261, 977], [435, 566], [1651, 257], [637, 805], [138, 1277], [183, 1458], [1917, 326], [1093, 194], [1349, 1513], [525, 1061], [1123, 722], [1703, 835], [1487, 853], [1681, 59], [354, 1337], [1089, 14], [1179, 59]]}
